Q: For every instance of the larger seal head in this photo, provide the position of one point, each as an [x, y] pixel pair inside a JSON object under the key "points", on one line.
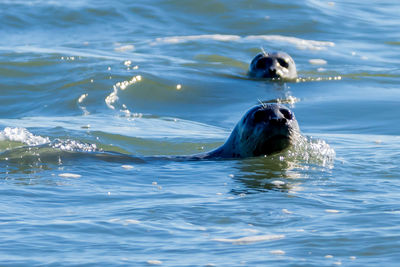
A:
{"points": [[273, 65], [264, 129]]}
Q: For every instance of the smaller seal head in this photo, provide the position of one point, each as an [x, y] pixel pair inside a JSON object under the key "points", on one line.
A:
{"points": [[265, 129], [273, 65]]}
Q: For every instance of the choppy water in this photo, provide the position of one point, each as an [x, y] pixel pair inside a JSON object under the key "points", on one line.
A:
{"points": [[92, 90]]}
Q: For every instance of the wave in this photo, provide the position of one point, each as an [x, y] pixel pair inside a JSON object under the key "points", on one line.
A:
{"points": [[19, 145], [22, 135], [132, 125], [298, 42]]}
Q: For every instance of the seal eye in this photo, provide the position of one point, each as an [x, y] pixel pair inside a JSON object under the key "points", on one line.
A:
{"points": [[259, 116], [283, 63], [263, 63], [286, 113]]}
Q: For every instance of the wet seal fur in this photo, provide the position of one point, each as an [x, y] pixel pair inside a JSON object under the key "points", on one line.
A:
{"points": [[264, 129], [273, 65]]}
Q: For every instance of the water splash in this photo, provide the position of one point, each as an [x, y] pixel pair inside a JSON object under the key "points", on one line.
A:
{"points": [[287, 99], [83, 108], [112, 99], [22, 135], [318, 79], [74, 146], [35, 145], [308, 150]]}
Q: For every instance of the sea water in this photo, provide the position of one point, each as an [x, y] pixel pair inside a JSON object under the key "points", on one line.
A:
{"points": [[93, 92]]}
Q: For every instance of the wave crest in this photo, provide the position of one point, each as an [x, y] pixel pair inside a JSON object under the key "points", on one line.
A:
{"points": [[22, 135]]}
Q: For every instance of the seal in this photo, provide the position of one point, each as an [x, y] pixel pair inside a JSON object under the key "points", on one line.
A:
{"points": [[273, 65], [263, 130]]}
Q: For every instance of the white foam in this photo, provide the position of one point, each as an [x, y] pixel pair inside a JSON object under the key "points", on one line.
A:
{"points": [[298, 42], [317, 61], [291, 100], [80, 100], [313, 151], [70, 175], [112, 98], [277, 252], [22, 135], [124, 48], [278, 183], [286, 211], [154, 262], [72, 145], [82, 97], [332, 211], [250, 239], [188, 38], [127, 167]]}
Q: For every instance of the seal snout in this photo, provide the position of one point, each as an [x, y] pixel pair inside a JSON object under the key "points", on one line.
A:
{"points": [[274, 69], [280, 117], [278, 121], [273, 116], [272, 72]]}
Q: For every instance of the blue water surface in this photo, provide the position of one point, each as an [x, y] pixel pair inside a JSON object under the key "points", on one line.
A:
{"points": [[94, 94]]}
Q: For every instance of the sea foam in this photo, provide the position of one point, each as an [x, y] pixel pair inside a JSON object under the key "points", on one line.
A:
{"points": [[22, 135]]}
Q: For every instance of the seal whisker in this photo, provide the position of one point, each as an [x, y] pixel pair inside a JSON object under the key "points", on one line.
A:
{"points": [[263, 51], [261, 103]]}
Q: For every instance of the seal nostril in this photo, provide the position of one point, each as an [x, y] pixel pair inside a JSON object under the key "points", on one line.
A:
{"points": [[286, 113], [278, 121]]}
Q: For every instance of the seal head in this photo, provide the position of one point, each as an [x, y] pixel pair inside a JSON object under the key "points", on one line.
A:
{"points": [[273, 65], [265, 129]]}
